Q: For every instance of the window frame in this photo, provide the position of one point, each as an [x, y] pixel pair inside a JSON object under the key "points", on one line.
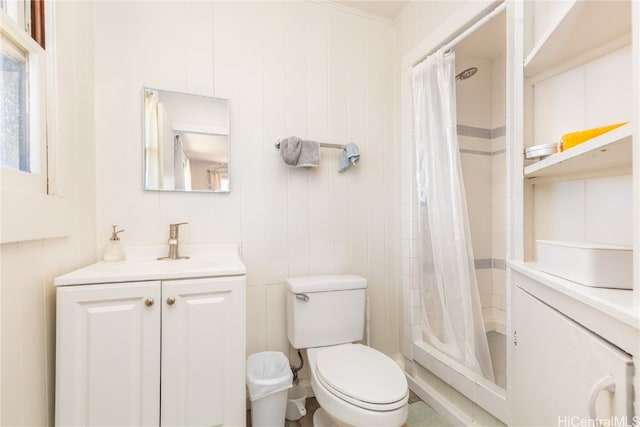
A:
{"points": [[30, 207], [37, 26], [37, 74]]}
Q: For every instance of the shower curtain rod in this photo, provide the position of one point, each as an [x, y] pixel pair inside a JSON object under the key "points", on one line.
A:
{"points": [[488, 17]]}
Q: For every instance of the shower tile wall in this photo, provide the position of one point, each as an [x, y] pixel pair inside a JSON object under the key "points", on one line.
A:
{"points": [[499, 191], [409, 220], [481, 135]]}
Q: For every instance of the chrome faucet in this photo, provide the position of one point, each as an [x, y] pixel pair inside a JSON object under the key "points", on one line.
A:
{"points": [[173, 242]]}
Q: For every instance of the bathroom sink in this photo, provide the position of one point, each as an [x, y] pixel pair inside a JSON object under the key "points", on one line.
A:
{"points": [[168, 265], [142, 264]]}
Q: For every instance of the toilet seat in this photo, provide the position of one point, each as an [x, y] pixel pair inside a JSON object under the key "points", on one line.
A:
{"points": [[362, 376]]}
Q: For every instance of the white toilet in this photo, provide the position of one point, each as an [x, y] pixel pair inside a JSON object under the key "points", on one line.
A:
{"points": [[355, 385]]}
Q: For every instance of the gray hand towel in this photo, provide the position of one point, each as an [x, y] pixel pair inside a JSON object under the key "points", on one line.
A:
{"points": [[299, 153], [350, 156]]}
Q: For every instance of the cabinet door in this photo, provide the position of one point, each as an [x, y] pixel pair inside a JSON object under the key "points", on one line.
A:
{"points": [[108, 354], [203, 352], [560, 369]]}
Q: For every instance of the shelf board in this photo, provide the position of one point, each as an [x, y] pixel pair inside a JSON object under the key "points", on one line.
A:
{"points": [[586, 25], [610, 151]]}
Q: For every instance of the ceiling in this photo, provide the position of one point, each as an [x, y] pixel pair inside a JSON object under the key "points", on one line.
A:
{"points": [[384, 8], [204, 147], [487, 42]]}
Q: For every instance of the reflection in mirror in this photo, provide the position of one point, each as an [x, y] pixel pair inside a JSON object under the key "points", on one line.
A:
{"points": [[186, 142]]}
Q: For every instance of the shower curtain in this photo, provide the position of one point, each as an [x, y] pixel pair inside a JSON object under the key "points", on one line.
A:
{"points": [[451, 312], [152, 135], [181, 165]]}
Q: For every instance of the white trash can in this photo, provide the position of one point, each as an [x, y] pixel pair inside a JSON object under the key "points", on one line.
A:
{"points": [[268, 379]]}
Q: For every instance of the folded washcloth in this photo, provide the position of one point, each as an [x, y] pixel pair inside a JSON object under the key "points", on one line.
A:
{"points": [[350, 156], [299, 153]]}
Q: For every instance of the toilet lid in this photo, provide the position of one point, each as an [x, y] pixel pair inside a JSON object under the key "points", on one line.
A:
{"points": [[363, 376]]}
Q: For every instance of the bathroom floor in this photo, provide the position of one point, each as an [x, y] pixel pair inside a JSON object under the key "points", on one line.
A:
{"points": [[312, 405]]}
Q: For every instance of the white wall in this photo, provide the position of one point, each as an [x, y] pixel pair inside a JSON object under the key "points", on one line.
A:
{"points": [[592, 95], [28, 268], [419, 19], [288, 68]]}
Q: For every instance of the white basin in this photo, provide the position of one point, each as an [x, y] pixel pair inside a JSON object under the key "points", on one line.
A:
{"points": [[140, 266], [204, 261]]}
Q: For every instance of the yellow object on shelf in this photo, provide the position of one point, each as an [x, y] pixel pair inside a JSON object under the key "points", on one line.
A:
{"points": [[572, 139]]}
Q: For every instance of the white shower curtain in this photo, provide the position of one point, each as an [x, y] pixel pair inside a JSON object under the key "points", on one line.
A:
{"points": [[451, 312], [152, 135]]}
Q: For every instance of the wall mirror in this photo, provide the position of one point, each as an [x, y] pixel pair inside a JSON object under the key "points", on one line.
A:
{"points": [[185, 142]]}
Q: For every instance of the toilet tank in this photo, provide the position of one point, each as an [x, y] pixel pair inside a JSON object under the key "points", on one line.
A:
{"points": [[325, 310]]}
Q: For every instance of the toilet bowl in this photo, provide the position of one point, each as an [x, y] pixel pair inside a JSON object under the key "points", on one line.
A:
{"points": [[358, 385], [354, 384]]}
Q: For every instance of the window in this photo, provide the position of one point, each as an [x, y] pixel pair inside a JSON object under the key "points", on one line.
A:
{"points": [[14, 118], [31, 207], [22, 102], [29, 15]]}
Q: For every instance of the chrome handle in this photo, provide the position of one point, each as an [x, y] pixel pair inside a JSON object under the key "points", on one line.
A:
{"points": [[174, 228], [302, 297], [149, 302], [171, 300]]}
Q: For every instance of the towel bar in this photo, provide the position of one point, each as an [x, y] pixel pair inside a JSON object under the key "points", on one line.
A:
{"points": [[322, 144]]}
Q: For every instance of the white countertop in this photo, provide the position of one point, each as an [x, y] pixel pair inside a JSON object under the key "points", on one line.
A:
{"points": [[610, 313], [142, 264]]}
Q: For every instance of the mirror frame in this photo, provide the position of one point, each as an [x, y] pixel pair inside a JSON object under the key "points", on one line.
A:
{"points": [[227, 134]]}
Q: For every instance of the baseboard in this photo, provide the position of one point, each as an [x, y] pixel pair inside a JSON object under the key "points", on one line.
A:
{"points": [[438, 402]]}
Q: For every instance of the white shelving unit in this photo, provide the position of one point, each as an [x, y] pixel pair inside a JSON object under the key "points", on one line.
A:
{"points": [[560, 82], [580, 35], [576, 33], [608, 153]]}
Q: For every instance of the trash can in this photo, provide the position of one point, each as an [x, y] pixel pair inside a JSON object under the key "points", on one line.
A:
{"points": [[268, 379]]}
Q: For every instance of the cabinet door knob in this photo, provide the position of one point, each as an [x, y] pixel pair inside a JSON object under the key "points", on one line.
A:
{"points": [[606, 383], [171, 300], [149, 302]]}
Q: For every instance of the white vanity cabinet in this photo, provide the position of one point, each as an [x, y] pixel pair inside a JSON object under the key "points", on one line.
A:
{"points": [[151, 352], [108, 354], [564, 371], [203, 348]]}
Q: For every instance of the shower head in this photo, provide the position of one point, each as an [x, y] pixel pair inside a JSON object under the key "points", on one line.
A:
{"points": [[468, 73]]}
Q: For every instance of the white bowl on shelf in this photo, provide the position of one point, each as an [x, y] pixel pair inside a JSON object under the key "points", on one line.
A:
{"points": [[589, 264]]}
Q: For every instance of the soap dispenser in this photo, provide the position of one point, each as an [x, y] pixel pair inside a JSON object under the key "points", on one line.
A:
{"points": [[113, 250]]}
